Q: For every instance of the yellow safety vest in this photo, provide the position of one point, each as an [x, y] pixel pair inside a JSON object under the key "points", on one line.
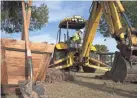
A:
{"points": [[76, 37]]}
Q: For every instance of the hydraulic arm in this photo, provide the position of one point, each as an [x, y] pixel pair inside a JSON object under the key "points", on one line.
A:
{"points": [[125, 62], [113, 19]]}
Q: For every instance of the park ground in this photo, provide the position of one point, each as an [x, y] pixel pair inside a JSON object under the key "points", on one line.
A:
{"points": [[86, 85]]}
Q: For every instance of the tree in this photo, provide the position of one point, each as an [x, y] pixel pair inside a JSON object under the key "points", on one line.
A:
{"points": [[101, 48], [131, 12], [12, 18]]}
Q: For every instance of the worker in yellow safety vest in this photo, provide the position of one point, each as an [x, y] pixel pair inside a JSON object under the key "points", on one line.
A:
{"points": [[77, 38]]}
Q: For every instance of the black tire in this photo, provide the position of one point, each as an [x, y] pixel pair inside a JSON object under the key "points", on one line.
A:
{"points": [[88, 69], [66, 69]]}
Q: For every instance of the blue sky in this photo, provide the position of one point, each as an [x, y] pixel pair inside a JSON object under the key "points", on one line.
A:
{"points": [[59, 10]]}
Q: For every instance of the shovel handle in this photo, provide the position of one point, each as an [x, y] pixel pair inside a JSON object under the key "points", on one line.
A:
{"points": [[26, 17]]}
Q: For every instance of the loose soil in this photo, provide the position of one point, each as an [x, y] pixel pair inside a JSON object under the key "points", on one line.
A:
{"points": [[85, 85]]}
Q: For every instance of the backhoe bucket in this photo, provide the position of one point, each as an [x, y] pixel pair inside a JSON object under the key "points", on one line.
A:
{"points": [[37, 91], [122, 70]]}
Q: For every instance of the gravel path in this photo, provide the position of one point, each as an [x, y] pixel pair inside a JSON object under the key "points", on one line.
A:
{"points": [[86, 86]]}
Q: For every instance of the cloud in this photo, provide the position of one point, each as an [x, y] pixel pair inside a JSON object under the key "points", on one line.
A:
{"points": [[43, 38], [51, 4], [59, 10], [54, 5]]}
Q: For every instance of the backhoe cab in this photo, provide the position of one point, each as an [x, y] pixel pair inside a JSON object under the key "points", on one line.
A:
{"points": [[73, 23]]}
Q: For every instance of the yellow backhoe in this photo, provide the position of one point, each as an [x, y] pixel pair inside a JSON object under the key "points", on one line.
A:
{"points": [[66, 48], [125, 62]]}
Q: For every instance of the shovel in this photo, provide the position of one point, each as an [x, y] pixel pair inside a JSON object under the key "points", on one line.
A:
{"points": [[29, 88]]}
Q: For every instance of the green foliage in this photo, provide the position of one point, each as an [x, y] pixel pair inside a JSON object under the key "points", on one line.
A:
{"points": [[101, 48], [131, 12], [103, 27], [12, 18]]}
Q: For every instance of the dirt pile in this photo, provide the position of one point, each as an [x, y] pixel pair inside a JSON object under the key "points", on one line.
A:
{"points": [[55, 75]]}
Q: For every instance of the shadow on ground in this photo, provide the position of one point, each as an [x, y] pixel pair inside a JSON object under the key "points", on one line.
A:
{"points": [[105, 88]]}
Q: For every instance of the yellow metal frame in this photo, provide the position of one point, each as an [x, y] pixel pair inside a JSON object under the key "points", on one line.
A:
{"points": [[101, 66], [111, 9], [98, 62], [93, 23], [69, 59], [61, 45], [69, 64], [59, 61], [97, 67]]}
